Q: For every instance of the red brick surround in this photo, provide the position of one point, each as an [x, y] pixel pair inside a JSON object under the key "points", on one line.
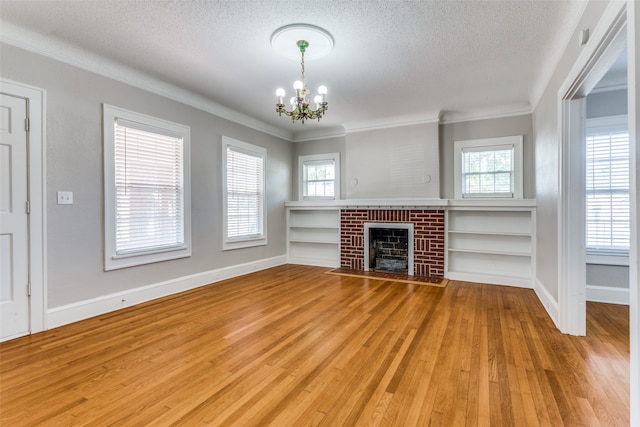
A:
{"points": [[428, 239]]}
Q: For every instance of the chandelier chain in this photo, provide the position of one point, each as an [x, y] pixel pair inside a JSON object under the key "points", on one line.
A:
{"points": [[302, 68]]}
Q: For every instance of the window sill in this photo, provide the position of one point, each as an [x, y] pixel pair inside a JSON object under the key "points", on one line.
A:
{"points": [[116, 262], [240, 244], [607, 259]]}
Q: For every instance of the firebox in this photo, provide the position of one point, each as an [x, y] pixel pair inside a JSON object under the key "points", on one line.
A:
{"points": [[388, 246]]}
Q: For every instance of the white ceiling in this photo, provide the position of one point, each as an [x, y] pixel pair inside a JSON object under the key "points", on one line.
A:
{"points": [[393, 61]]}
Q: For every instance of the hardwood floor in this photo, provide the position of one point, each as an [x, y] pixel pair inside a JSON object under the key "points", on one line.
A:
{"points": [[292, 346]]}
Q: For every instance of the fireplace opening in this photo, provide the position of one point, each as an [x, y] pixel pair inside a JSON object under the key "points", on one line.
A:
{"points": [[389, 247]]}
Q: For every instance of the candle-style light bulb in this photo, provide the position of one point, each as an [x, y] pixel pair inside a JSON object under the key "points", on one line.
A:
{"points": [[280, 94], [322, 90]]}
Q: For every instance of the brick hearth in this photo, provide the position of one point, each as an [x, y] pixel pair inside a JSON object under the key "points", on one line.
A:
{"points": [[428, 237]]}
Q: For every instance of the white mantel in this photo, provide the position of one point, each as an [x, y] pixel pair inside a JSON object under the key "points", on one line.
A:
{"points": [[413, 203]]}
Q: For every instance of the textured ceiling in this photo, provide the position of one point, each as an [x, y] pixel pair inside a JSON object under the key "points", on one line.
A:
{"points": [[393, 61]]}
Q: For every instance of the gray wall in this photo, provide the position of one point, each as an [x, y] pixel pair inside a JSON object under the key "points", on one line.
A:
{"points": [[610, 103], [489, 128], [391, 162], [74, 99], [398, 162], [545, 129], [614, 276]]}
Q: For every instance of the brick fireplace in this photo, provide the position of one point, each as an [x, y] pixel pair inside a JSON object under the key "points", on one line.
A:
{"points": [[428, 239]]}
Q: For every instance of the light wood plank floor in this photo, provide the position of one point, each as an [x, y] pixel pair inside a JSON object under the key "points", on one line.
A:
{"points": [[292, 346]]}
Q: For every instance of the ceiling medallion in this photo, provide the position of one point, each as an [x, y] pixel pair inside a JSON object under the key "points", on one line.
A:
{"points": [[302, 35]]}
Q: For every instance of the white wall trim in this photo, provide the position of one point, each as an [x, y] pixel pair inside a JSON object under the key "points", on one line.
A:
{"points": [[37, 198], [490, 279], [571, 218], [548, 302], [449, 117], [388, 123], [81, 310], [607, 42], [314, 262], [321, 134], [609, 88], [60, 51], [633, 80], [608, 294]]}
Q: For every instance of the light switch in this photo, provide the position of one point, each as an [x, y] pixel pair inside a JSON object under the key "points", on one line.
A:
{"points": [[65, 197]]}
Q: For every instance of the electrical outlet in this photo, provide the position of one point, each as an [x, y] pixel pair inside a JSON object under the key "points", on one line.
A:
{"points": [[65, 197]]}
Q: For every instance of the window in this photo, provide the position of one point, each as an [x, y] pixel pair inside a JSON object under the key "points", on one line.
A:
{"points": [[607, 186], [489, 168], [319, 176], [244, 204], [147, 192]]}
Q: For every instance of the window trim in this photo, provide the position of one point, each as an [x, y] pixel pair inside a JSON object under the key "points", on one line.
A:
{"points": [[608, 124], [238, 243], [605, 258], [113, 261], [335, 157], [515, 141]]}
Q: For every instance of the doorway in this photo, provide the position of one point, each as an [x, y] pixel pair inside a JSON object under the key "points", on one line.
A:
{"points": [[589, 70], [608, 187]]}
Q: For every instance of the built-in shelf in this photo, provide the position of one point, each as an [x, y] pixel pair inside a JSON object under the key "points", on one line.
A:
{"points": [[491, 244], [476, 251], [489, 233], [485, 241], [313, 235], [318, 242]]}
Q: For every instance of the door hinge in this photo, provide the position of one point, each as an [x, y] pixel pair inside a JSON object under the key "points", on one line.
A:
{"points": [[26, 124], [29, 289], [28, 207]]}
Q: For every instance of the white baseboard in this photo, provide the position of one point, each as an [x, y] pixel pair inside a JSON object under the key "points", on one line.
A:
{"points": [[314, 262], [548, 302], [518, 282], [608, 294], [81, 310]]}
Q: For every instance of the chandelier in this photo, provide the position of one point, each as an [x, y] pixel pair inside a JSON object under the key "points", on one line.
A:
{"points": [[300, 106]]}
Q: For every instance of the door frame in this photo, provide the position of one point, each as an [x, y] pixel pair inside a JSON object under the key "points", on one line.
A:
{"points": [[36, 176], [608, 41], [633, 85]]}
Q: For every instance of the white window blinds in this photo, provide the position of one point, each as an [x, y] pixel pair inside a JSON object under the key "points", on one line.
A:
{"points": [[149, 188], [607, 186], [244, 193], [319, 178]]}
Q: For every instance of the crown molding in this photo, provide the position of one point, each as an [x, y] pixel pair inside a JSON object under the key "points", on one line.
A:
{"points": [[499, 113], [324, 134], [609, 88], [81, 58], [390, 122]]}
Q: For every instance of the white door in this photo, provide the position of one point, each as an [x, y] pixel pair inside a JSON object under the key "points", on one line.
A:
{"points": [[14, 268]]}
